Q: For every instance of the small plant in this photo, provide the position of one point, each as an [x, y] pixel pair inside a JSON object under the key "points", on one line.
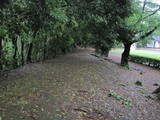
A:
{"points": [[156, 84], [127, 101], [138, 83], [152, 62], [141, 73], [150, 96]]}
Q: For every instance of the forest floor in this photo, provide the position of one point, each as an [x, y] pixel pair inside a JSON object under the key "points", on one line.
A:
{"points": [[79, 86]]}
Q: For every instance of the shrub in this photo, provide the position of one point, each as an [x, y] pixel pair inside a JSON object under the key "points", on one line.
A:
{"points": [[152, 62]]}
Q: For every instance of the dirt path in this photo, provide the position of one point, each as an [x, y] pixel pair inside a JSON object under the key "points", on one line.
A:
{"points": [[79, 86]]}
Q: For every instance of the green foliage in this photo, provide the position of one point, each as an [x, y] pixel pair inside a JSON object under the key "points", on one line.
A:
{"points": [[143, 19], [46, 27], [3, 31], [102, 21], [8, 49], [35, 30], [138, 26], [125, 101]]}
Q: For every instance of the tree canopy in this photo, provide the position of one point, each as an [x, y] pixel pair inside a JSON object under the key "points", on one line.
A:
{"points": [[35, 30], [142, 23]]}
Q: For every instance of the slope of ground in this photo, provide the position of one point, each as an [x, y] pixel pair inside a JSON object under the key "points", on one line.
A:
{"points": [[79, 86]]}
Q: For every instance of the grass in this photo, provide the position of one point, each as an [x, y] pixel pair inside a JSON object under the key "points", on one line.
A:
{"points": [[154, 54]]}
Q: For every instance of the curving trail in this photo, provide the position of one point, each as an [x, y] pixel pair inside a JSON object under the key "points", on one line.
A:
{"points": [[79, 86]]}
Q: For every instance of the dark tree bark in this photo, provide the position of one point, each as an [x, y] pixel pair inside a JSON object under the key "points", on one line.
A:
{"points": [[44, 49], [1, 64], [107, 53], [104, 51], [150, 32], [14, 41], [29, 56], [64, 50], [22, 52], [125, 55]]}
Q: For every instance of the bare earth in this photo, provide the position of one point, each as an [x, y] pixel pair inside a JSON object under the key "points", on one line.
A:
{"points": [[79, 86]]}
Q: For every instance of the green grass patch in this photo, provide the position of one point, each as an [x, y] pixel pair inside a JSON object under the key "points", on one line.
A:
{"points": [[117, 51], [152, 54]]}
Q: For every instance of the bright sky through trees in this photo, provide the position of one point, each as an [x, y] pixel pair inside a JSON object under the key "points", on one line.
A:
{"points": [[156, 1]]}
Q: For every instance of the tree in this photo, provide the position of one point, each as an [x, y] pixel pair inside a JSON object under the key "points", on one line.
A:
{"points": [[102, 20], [138, 26], [3, 4], [36, 30], [41, 29]]}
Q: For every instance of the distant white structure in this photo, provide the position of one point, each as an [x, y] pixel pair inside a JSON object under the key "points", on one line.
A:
{"points": [[133, 46], [157, 44], [154, 42]]}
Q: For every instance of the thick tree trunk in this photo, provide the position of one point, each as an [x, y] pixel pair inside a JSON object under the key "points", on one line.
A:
{"points": [[1, 64], [125, 55], [107, 53]]}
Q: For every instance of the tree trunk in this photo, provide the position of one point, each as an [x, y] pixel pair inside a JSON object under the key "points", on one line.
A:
{"points": [[125, 55], [29, 56], [44, 49], [1, 64], [15, 52], [107, 53], [22, 52]]}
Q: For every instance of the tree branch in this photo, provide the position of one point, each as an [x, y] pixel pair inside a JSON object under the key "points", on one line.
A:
{"points": [[147, 34], [143, 8], [144, 5], [154, 12], [143, 18], [150, 32]]}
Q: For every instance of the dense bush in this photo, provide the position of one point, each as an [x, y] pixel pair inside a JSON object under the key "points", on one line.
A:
{"points": [[34, 30], [146, 61]]}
